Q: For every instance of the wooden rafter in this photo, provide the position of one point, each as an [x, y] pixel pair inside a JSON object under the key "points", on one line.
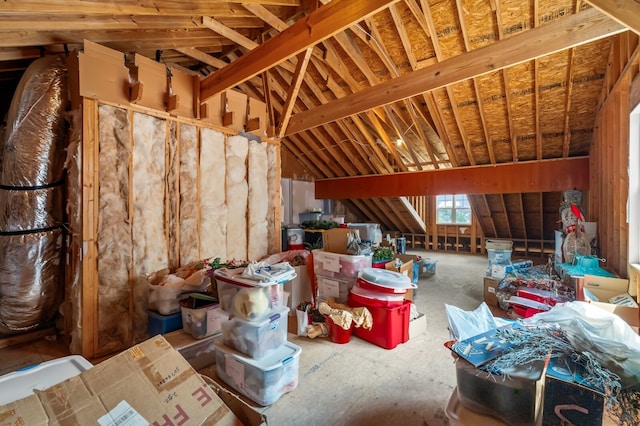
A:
{"points": [[561, 34], [319, 25], [505, 213], [627, 12], [292, 95], [226, 32], [523, 217], [264, 14]]}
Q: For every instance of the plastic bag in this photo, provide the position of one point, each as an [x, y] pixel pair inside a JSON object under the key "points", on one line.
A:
{"points": [[466, 324], [603, 334], [303, 322]]}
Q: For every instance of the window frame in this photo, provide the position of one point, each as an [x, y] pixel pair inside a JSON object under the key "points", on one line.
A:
{"points": [[454, 209]]}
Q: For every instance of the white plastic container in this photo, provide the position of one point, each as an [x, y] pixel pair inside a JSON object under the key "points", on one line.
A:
{"points": [[498, 244], [263, 381], [256, 338], [336, 265], [21, 384]]}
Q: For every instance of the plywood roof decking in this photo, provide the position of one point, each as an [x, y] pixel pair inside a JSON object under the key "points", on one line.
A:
{"points": [[542, 107]]}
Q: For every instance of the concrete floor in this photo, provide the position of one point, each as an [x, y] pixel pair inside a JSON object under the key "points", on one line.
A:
{"points": [[359, 383]]}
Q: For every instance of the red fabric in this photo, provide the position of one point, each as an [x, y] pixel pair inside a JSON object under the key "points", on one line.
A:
{"points": [[576, 212]]}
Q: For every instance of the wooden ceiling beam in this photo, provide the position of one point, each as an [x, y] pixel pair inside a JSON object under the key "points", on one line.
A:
{"points": [[155, 8], [130, 39], [626, 12], [572, 31], [319, 25], [530, 176]]}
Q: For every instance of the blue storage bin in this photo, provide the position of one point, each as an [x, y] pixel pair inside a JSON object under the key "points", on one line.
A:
{"points": [[160, 324]]}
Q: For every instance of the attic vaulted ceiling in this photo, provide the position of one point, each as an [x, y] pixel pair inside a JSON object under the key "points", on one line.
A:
{"points": [[375, 87]]}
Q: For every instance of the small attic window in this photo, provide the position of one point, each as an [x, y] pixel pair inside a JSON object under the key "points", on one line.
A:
{"points": [[453, 210]]}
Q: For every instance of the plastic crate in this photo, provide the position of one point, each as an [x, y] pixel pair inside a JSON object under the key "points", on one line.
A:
{"points": [[499, 257], [256, 338], [390, 324], [339, 265], [201, 315], [263, 381]]}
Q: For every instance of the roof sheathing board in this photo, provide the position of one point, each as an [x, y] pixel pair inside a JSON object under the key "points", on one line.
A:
{"points": [[523, 109], [552, 92], [493, 101], [447, 28], [451, 127], [589, 69], [470, 120]]}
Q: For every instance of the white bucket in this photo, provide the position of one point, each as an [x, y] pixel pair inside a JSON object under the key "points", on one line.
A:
{"points": [[295, 238]]}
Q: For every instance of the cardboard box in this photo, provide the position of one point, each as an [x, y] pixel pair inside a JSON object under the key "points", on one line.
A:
{"points": [[405, 269], [149, 382], [417, 325], [605, 288], [490, 288], [568, 402], [247, 411], [335, 240]]}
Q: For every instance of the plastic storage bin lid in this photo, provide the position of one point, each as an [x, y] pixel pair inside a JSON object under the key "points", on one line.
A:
{"points": [[21, 384], [274, 315], [279, 275], [386, 279], [276, 359], [376, 295], [321, 255]]}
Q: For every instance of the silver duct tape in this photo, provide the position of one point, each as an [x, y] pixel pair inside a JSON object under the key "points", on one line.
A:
{"points": [[33, 153], [25, 210], [31, 279]]}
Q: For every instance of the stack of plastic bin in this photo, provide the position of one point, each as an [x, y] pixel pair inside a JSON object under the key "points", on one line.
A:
{"points": [[382, 292], [253, 356], [337, 273]]}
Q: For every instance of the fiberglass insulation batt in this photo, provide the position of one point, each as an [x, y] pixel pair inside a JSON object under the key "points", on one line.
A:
{"points": [[32, 159]]}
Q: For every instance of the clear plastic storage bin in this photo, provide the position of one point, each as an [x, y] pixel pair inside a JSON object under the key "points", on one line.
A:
{"points": [[252, 303], [256, 338], [336, 265], [335, 288], [516, 399], [263, 381]]}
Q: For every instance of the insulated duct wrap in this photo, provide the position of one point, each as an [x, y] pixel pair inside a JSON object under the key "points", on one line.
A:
{"points": [[26, 210], [30, 281], [32, 198], [33, 153]]}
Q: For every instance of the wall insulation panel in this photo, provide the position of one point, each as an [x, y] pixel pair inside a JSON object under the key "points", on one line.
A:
{"points": [[114, 242], [237, 193], [213, 206]]}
